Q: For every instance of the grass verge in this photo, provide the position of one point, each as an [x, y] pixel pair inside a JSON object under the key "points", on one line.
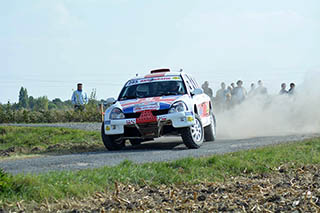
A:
{"points": [[63, 185], [15, 141]]}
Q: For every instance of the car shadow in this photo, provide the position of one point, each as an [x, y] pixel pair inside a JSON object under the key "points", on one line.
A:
{"points": [[173, 146]]}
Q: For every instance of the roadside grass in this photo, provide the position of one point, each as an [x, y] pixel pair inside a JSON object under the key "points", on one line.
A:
{"points": [[38, 140], [81, 184]]}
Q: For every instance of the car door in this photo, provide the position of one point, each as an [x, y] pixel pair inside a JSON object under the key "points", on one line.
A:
{"points": [[202, 101]]}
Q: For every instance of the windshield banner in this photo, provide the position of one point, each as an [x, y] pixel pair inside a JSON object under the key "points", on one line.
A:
{"points": [[148, 80]]}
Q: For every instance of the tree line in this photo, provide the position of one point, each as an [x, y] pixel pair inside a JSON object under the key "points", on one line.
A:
{"points": [[42, 110]]}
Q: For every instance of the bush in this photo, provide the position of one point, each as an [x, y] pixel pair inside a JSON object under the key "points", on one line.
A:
{"points": [[91, 113]]}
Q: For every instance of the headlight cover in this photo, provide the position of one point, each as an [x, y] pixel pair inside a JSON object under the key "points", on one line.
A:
{"points": [[178, 107], [116, 113]]}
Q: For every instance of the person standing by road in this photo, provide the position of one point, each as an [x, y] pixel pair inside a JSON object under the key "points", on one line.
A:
{"points": [[207, 90], [252, 90], [79, 98], [292, 89], [261, 90], [239, 93], [221, 97], [283, 90]]}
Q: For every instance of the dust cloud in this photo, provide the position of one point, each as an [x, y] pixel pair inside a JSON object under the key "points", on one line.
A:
{"points": [[274, 115]]}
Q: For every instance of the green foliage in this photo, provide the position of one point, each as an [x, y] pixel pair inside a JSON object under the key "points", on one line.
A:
{"points": [[41, 104], [23, 98], [8, 185], [49, 113], [42, 110]]}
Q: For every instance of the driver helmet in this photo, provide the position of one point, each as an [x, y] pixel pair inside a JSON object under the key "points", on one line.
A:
{"points": [[142, 90], [174, 86]]}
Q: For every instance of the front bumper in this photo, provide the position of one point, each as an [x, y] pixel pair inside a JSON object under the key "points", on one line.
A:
{"points": [[178, 120]]}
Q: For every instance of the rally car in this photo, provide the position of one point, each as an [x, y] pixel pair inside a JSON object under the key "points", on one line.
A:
{"points": [[158, 104]]}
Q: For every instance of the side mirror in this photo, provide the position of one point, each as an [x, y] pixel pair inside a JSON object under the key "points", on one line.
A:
{"points": [[110, 101], [196, 92]]}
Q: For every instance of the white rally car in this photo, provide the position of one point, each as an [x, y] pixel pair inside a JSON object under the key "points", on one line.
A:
{"points": [[161, 103]]}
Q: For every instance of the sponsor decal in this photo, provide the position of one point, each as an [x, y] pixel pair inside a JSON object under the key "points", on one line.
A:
{"points": [[149, 101], [148, 80], [108, 128], [190, 119], [130, 121], [107, 122], [162, 118], [146, 106], [189, 113]]}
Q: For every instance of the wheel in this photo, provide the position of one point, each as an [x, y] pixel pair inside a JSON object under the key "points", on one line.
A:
{"points": [[210, 131], [112, 142], [193, 136], [135, 142]]}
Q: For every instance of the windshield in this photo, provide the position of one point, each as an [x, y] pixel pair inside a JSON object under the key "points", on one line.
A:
{"points": [[152, 89]]}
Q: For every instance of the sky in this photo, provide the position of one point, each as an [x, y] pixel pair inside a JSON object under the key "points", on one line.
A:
{"points": [[50, 46]]}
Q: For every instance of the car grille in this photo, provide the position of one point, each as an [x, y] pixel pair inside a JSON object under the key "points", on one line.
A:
{"points": [[132, 115], [160, 112]]}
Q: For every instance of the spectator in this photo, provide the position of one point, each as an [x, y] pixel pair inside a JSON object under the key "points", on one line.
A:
{"points": [[261, 90], [283, 89], [228, 101], [252, 90], [292, 89], [207, 90], [221, 97], [239, 93], [79, 98], [229, 89]]}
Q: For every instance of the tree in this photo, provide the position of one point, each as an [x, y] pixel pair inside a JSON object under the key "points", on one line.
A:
{"points": [[41, 103], [31, 102], [23, 98], [57, 102]]}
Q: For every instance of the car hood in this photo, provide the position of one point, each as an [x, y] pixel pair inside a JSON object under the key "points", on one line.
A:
{"points": [[153, 103]]}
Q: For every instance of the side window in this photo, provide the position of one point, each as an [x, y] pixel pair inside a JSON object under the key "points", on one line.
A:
{"points": [[189, 83], [194, 83]]}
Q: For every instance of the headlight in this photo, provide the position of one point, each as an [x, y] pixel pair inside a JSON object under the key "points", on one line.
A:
{"points": [[178, 107], [116, 113]]}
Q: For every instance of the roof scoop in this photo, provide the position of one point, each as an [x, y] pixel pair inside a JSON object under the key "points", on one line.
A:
{"points": [[160, 70]]}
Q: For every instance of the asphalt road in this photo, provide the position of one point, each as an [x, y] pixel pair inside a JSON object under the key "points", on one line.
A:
{"points": [[164, 149]]}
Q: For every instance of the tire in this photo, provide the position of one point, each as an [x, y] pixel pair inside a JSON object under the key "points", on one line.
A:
{"points": [[135, 142], [112, 142], [193, 136], [210, 131]]}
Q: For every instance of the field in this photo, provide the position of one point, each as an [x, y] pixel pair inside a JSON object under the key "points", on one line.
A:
{"points": [[276, 178], [17, 141]]}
